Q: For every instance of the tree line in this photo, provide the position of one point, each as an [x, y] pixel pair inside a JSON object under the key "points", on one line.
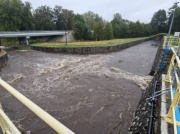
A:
{"points": [[19, 16]]}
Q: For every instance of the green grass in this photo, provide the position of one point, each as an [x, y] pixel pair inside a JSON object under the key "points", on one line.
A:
{"points": [[87, 43], [2, 53], [9, 42]]}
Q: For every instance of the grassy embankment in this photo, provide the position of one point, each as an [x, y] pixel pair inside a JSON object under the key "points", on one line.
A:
{"points": [[87, 43], [2, 53]]}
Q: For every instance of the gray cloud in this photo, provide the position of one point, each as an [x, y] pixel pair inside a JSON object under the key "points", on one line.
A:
{"points": [[133, 10]]}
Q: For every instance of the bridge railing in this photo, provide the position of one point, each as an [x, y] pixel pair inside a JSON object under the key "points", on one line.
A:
{"points": [[39, 31], [173, 82], [173, 41], [6, 124], [47, 118]]}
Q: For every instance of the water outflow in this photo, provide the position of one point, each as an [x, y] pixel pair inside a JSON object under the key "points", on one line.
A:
{"points": [[54, 72], [40, 71], [89, 91]]}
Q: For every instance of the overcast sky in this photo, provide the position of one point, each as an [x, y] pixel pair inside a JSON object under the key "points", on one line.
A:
{"points": [[133, 10]]}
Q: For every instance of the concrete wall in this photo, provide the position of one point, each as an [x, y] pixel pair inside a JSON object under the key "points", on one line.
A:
{"points": [[158, 57], [140, 121], [3, 60], [95, 50], [62, 38], [70, 38]]}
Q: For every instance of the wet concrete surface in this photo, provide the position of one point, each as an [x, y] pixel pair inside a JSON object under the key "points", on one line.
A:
{"points": [[90, 94]]}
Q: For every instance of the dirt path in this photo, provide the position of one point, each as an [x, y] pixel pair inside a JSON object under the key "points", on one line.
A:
{"points": [[90, 94]]}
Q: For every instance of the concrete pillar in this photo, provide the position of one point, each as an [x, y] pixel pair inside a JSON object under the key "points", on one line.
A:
{"points": [[27, 40]]}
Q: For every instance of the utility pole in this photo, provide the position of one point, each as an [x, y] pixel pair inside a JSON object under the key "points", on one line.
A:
{"points": [[172, 12], [65, 27], [66, 36]]}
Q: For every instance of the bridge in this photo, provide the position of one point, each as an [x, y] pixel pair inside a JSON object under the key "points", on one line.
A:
{"points": [[28, 34]]}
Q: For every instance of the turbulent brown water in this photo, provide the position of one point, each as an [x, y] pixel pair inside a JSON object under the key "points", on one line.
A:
{"points": [[90, 94]]}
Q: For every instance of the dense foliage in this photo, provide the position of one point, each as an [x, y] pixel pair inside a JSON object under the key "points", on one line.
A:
{"points": [[158, 22], [80, 28], [19, 16]]}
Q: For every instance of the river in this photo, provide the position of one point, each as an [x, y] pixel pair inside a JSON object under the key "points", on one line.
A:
{"points": [[90, 94]]}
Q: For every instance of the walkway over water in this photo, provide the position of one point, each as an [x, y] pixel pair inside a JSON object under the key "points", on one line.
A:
{"points": [[90, 94], [30, 33]]}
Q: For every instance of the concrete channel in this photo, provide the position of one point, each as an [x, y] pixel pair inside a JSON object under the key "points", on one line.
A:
{"points": [[87, 93]]}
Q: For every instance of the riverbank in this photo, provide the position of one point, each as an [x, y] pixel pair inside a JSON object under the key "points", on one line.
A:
{"points": [[89, 48]]}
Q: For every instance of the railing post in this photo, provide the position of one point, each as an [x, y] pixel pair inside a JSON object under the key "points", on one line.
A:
{"points": [[6, 125], [167, 79]]}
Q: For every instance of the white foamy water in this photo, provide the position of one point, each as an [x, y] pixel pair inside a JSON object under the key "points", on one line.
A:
{"points": [[43, 72], [80, 90], [53, 72]]}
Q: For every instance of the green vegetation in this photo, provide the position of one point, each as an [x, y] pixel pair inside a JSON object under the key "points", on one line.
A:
{"points": [[2, 52], [19, 16], [175, 41], [9, 42], [88, 43]]}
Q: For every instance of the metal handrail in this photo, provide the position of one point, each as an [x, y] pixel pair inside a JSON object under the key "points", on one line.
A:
{"points": [[174, 86], [6, 124], [51, 121], [34, 31]]}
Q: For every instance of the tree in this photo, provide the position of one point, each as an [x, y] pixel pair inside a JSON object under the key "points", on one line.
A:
{"points": [[15, 15], [91, 18], [117, 17], [68, 18], [158, 22], [80, 28], [120, 26], [108, 32], [27, 17], [99, 30], [176, 26], [63, 18], [116, 22], [43, 18], [58, 18], [132, 29], [147, 30], [139, 29]]}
